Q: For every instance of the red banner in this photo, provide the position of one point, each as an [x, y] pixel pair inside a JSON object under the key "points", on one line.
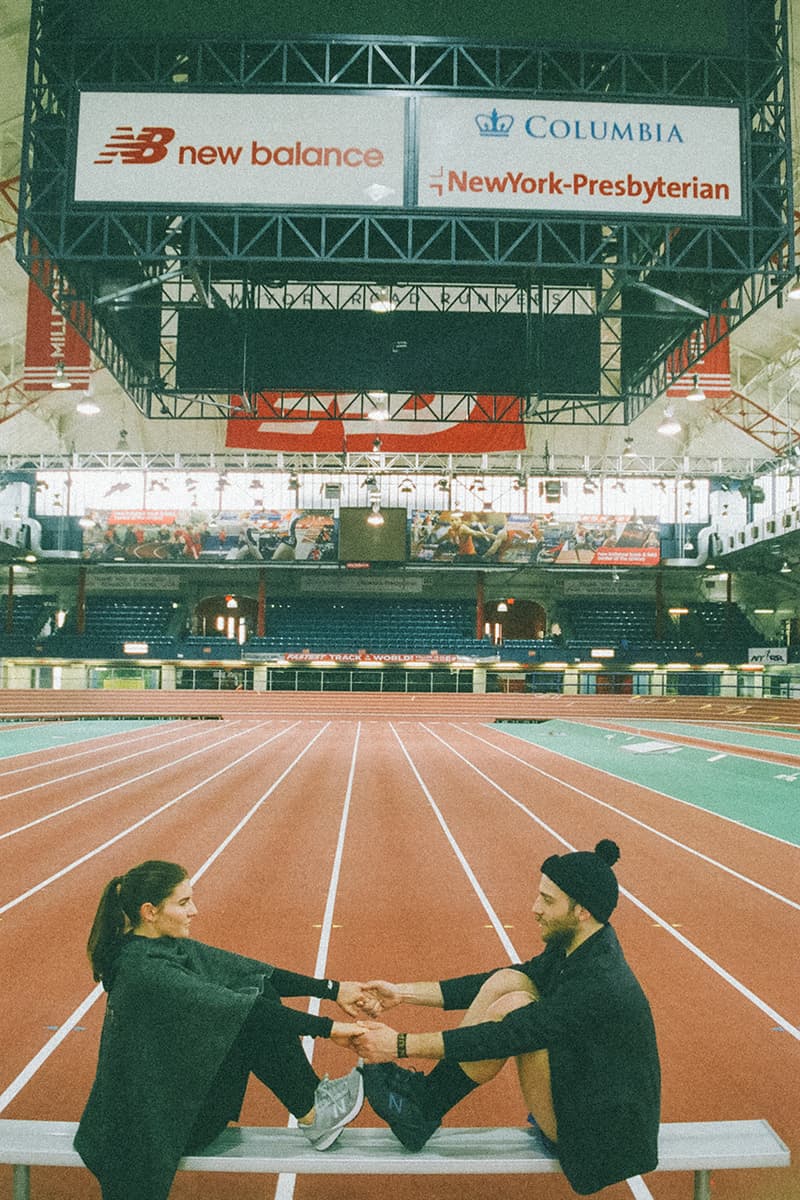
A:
{"points": [[712, 368], [467, 430], [50, 340]]}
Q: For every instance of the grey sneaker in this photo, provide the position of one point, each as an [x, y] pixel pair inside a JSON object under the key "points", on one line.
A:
{"points": [[336, 1102]]}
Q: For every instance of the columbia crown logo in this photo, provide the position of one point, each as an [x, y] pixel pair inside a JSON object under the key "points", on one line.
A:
{"points": [[494, 124], [148, 146]]}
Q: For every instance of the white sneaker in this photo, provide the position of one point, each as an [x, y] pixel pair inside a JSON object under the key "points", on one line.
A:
{"points": [[336, 1102]]}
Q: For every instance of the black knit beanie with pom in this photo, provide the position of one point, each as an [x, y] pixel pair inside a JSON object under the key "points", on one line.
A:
{"points": [[586, 876]]}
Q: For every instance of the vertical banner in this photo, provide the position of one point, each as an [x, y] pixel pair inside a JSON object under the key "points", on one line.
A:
{"points": [[50, 340], [712, 367]]}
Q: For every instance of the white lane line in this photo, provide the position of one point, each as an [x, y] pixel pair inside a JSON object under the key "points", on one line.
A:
{"points": [[85, 748], [52, 1044], [709, 962], [640, 1190], [497, 924], [284, 1188], [713, 862], [113, 762], [138, 824], [115, 787]]}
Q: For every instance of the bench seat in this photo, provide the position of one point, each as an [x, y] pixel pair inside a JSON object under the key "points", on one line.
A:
{"points": [[699, 1147]]}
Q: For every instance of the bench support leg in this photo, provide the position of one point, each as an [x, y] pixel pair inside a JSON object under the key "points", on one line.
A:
{"points": [[702, 1185], [22, 1182]]}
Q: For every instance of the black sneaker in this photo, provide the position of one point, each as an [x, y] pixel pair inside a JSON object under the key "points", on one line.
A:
{"points": [[396, 1095]]}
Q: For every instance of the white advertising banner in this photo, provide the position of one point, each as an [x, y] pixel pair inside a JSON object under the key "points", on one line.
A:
{"points": [[581, 157], [151, 148], [768, 654]]}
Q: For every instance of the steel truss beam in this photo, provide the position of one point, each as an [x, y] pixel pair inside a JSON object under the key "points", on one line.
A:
{"points": [[705, 262], [514, 464]]}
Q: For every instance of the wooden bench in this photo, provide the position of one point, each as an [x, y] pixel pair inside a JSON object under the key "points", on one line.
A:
{"points": [[701, 1147]]}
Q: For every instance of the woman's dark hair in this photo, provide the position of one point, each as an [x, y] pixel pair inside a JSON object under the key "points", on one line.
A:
{"points": [[119, 909]]}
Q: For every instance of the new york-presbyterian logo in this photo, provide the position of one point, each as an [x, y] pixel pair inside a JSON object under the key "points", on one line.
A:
{"points": [[147, 146], [494, 124]]}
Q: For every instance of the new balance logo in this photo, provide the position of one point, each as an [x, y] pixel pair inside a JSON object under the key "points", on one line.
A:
{"points": [[148, 146], [396, 1103]]}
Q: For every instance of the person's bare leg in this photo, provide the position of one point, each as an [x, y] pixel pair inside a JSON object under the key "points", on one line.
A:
{"points": [[534, 1080], [506, 991], [501, 994]]}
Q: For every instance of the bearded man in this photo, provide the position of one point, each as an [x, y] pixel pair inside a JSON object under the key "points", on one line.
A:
{"points": [[574, 1019]]}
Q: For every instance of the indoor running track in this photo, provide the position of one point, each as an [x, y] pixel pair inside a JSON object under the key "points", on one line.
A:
{"points": [[403, 849]]}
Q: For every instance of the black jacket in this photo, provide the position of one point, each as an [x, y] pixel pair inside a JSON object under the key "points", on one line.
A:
{"points": [[595, 1022], [175, 1007]]}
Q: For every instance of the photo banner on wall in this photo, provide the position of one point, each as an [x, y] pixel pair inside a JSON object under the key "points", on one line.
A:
{"points": [[469, 430], [192, 535], [485, 538]]}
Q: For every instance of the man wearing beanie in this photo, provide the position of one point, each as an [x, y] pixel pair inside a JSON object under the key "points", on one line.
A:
{"points": [[574, 1018]]}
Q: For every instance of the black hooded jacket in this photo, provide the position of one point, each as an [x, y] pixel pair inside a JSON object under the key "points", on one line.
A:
{"points": [[175, 1007], [595, 1022]]}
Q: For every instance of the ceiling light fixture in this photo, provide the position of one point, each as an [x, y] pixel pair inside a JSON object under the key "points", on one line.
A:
{"points": [[376, 516], [670, 425], [785, 569], [87, 408], [628, 450], [381, 401], [60, 381], [696, 393], [382, 301]]}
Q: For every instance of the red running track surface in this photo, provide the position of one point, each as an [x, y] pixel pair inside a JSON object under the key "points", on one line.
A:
{"points": [[442, 824]]}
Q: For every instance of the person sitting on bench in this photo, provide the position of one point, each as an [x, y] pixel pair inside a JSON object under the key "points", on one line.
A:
{"points": [[185, 1025], [574, 1018]]}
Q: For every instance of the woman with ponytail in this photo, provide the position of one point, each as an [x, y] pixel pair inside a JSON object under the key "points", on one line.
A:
{"points": [[185, 1025]]}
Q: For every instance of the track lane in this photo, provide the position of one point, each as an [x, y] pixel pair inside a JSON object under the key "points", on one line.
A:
{"points": [[406, 903], [648, 947], [699, 883], [773, 861], [36, 794], [244, 853]]}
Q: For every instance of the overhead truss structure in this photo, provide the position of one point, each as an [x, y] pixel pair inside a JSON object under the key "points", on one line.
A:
{"points": [[164, 259], [517, 465]]}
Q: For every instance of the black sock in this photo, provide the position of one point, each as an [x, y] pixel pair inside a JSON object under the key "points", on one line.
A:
{"points": [[444, 1087]]}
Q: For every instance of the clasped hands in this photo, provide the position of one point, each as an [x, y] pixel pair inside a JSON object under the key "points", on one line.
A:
{"points": [[370, 1039]]}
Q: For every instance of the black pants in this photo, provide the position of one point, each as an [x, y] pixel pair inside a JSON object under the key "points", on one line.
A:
{"points": [[269, 1047]]}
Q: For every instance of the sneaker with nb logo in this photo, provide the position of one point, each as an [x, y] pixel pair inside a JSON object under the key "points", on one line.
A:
{"points": [[397, 1096], [336, 1102]]}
